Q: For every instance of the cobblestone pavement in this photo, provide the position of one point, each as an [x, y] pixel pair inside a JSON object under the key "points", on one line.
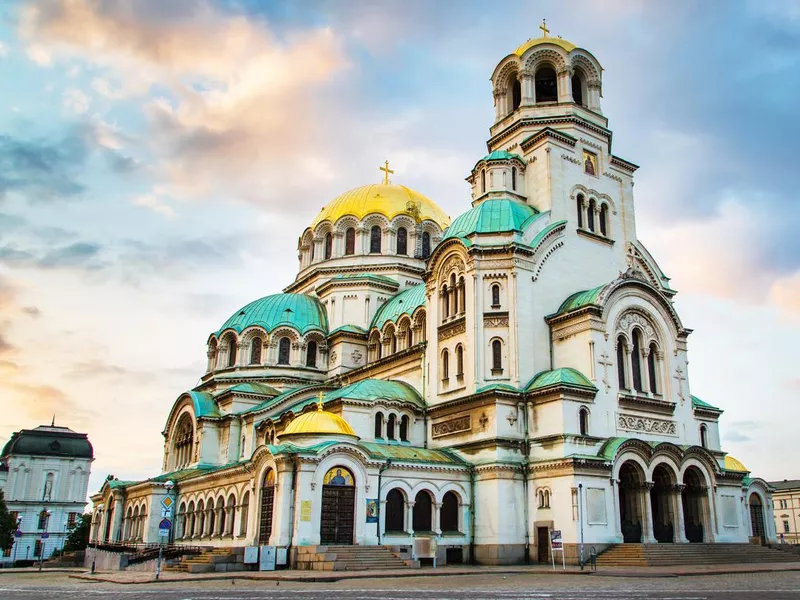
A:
{"points": [[749, 586]]}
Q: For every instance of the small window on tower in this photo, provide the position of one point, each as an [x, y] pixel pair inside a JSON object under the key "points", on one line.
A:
{"points": [[402, 241], [514, 178], [375, 240], [426, 245], [350, 241]]}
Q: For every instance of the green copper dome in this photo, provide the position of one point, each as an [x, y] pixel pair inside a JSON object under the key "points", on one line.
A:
{"points": [[300, 311], [404, 303], [49, 440], [493, 216]]}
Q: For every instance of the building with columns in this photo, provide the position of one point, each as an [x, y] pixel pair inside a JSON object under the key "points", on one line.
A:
{"points": [[44, 475], [487, 379]]}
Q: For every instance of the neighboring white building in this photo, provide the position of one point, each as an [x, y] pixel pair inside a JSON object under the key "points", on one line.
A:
{"points": [[486, 380], [44, 474], [786, 501]]}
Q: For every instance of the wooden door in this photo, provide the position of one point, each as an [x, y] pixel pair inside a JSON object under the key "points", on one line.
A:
{"points": [[543, 544], [338, 511], [265, 520]]}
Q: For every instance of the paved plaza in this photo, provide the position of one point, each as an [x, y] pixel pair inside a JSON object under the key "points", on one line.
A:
{"points": [[512, 586]]}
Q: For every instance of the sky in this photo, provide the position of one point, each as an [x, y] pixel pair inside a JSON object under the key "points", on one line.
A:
{"points": [[158, 161]]}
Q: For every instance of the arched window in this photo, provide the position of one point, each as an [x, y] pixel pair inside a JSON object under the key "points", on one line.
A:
{"points": [[426, 244], [244, 514], [445, 365], [445, 302], [422, 512], [703, 436], [483, 181], [311, 354], [390, 427], [459, 361], [622, 348], [328, 245], [231, 351], [255, 350], [603, 219], [395, 511], [350, 241], [379, 425], [183, 442], [583, 418], [409, 338], [284, 347], [454, 292], [496, 296], [651, 368], [404, 421], [514, 178], [636, 360], [448, 514], [375, 239], [516, 94], [497, 357], [402, 241], [547, 498], [580, 210], [190, 521], [545, 83], [313, 245], [590, 215], [393, 342], [201, 520], [577, 89]]}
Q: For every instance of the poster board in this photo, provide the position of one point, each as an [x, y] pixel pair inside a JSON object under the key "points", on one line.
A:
{"points": [[557, 545]]}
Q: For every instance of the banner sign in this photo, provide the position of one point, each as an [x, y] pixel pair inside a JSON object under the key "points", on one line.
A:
{"points": [[305, 510], [372, 510]]}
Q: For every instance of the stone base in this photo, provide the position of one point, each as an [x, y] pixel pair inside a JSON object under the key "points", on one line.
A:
{"points": [[500, 554]]}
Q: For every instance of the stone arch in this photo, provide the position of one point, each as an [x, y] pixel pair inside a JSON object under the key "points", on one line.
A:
{"points": [[587, 64], [537, 58], [511, 66], [422, 513]]}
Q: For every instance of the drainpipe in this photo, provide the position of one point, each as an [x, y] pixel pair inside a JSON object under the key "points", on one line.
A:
{"points": [[472, 514], [380, 475], [291, 511], [551, 350], [525, 462], [424, 379]]}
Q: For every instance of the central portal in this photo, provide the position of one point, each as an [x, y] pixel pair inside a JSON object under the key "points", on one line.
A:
{"points": [[338, 507]]}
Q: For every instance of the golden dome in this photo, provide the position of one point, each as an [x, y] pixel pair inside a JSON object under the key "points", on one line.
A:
{"points": [[384, 199], [319, 421], [732, 464], [568, 46]]}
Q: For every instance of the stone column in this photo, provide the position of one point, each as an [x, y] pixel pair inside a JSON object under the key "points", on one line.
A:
{"points": [[437, 514], [680, 525], [498, 104], [628, 367], [410, 518], [645, 352], [647, 514], [528, 92], [116, 526]]}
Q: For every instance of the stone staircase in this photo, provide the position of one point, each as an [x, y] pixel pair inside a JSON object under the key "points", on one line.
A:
{"points": [[348, 558], [671, 555], [218, 560]]}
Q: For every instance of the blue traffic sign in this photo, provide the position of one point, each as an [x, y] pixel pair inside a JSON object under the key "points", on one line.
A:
{"points": [[45, 535], [17, 534], [165, 524]]}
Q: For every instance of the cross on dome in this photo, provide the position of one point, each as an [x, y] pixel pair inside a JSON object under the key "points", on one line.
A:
{"points": [[386, 170], [319, 404], [544, 28]]}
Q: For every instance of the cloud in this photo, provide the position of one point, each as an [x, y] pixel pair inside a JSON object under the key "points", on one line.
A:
{"points": [[75, 101], [40, 55], [153, 203], [3, 50], [785, 293], [32, 311], [5, 346]]}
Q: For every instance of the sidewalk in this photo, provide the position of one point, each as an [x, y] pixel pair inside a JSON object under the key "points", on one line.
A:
{"points": [[128, 578]]}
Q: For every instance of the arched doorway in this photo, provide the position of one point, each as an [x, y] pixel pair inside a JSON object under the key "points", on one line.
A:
{"points": [[694, 497], [448, 514], [631, 506], [267, 504], [338, 507], [661, 501], [423, 512], [757, 518], [395, 507]]}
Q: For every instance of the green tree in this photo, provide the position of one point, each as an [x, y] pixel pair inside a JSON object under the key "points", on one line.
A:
{"points": [[78, 535], [7, 525]]}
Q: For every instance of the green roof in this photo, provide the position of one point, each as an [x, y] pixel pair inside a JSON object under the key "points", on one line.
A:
{"points": [[300, 311], [349, 329], [564, 376], [580, 299], [697, 403], [280, 398], [261, 389], [377, 389], [365, 276], [403, 453], [493, 216], [501, 155], [404, 303], [503, 387], [49, 440], [541, 235], [204, 405]]}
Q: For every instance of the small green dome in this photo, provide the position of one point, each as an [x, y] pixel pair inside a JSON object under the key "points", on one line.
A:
{"points": [[300, 311], [404, 303], [493, 216]]}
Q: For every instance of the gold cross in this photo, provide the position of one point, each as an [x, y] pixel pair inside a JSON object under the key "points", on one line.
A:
{"points": [[319, 404], [386, 170], [544, 28]]}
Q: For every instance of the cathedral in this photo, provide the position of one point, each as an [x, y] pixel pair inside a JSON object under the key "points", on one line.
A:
{"points": [[482, 381]]}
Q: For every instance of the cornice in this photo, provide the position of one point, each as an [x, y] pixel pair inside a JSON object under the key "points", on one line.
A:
{"points": [[497, 138], [643, 403], [349, 269], [547, 132], [495, 442], [480, 400], [623, 164]]}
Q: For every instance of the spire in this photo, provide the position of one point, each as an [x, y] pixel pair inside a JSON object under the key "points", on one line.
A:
{"points": [[53, 422]]}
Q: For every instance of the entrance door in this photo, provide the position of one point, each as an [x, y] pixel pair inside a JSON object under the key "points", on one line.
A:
{"points": [[661, 504], [267, 503], [631, 486], [757, 518], [338, 507], [543, 544]]}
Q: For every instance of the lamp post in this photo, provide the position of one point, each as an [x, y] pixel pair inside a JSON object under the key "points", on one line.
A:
{"points": [[168, 486], [580, 518]]}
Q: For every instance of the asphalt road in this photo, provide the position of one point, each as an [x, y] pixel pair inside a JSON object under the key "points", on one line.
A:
{"points": [[476, 587]]}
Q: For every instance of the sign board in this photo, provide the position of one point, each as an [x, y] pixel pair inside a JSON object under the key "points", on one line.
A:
{"points": [[305, 510], [267, 559], [281, 556], [45, 535], [557, 545], [166, 513], [372, 510], [17, 534], [167, 502], [163, 527], [251, 555]]}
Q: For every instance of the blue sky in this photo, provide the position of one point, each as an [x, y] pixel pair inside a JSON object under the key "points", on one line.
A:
{"points": [[158, 161]]}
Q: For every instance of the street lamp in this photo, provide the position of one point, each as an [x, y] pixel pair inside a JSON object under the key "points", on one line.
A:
{"points": [[168, 485]]}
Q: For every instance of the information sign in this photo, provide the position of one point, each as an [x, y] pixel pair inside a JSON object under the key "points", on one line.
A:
{"points": [[557, 545], [45, 535], [305, 510], [167, 502]]}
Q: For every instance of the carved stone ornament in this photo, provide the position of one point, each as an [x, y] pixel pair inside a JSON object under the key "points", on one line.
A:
{"points": [[511, 417], [333, 356], [484, 420], [451, 427], [646, 425], [451, 330], [495, 321], [633, 318], [356, 356]]}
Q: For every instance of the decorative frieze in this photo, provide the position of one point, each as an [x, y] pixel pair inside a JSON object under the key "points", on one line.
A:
{"points": [[646, 425], [495, 321], [452, 329], [451, 427]]}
